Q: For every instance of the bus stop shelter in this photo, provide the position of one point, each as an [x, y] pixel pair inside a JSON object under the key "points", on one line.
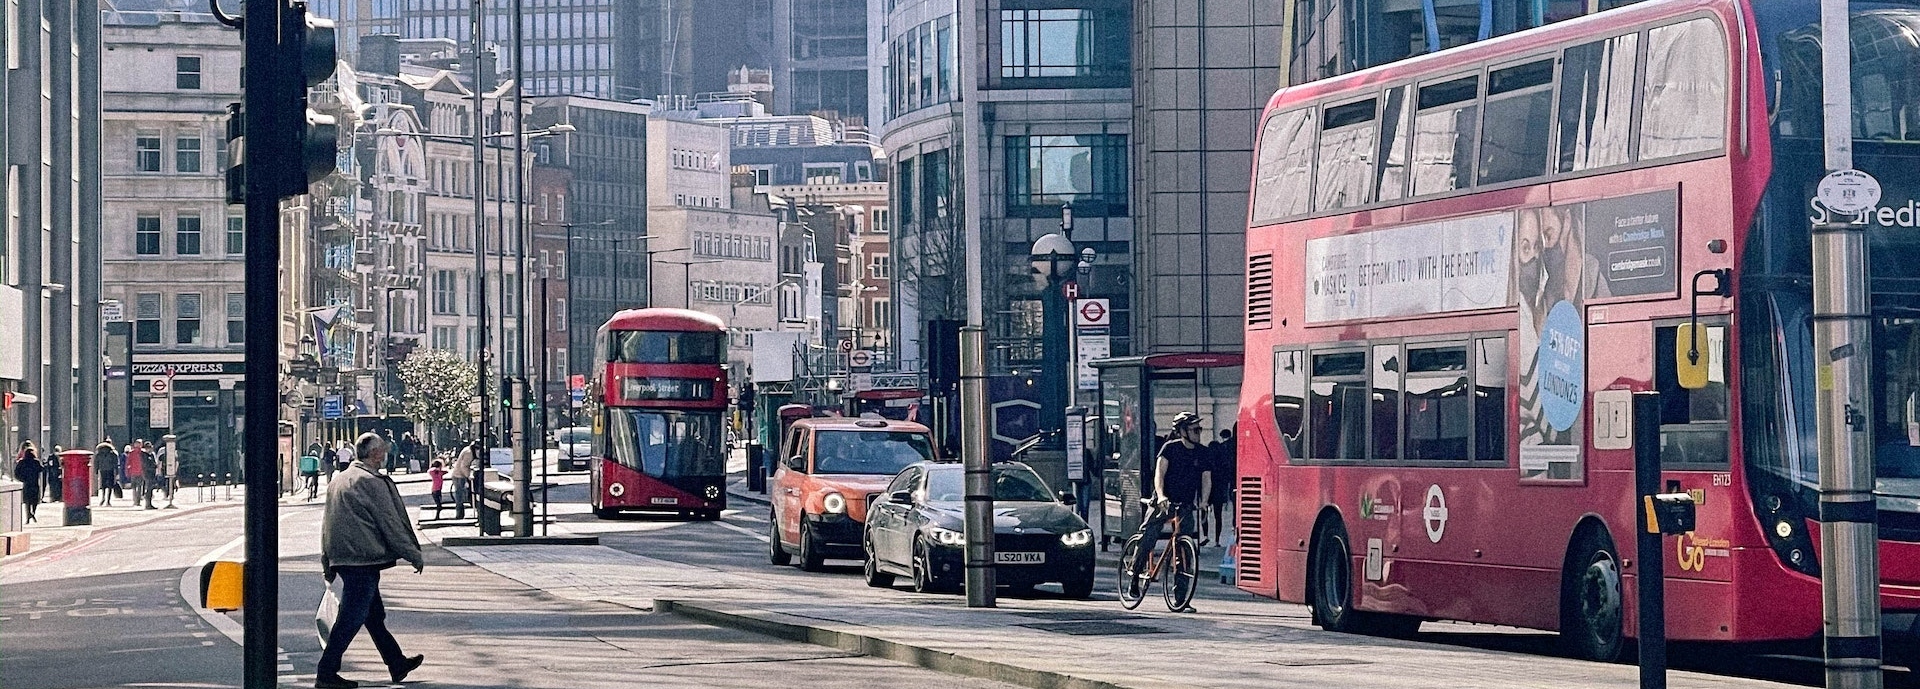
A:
{"points": [[1138, 399]]}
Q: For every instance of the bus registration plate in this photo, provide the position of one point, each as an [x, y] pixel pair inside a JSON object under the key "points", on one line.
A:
{"points": [[1020, 558], [666, 501]]}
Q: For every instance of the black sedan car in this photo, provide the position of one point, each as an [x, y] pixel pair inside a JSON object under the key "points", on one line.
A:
{"points": [[914, 530]]}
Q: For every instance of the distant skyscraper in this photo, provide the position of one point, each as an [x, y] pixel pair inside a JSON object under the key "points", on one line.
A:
{"points": [[820, 57]]}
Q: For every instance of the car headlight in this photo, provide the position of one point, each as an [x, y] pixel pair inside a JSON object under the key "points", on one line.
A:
{"points": [[1077, 539], [834, 503], [947, 536]]}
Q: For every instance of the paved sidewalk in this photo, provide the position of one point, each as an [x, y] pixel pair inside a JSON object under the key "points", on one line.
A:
{"points": [[1049, 643], [49, 533]]}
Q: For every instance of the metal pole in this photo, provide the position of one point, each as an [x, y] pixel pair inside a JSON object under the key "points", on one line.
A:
{"points": [[546, 365], [1652, 581], [263, 82], [523, 462], [478, 188], [1849, 545], [973, 449], [974, 434]]}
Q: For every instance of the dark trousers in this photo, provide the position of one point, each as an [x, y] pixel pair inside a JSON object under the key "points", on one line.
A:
{"points": [[1155, 523], [360, 605]]}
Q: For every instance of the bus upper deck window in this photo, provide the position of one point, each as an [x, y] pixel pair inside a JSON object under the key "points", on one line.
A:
{"points": [[1684, 101], [1443, 135], [1345, 170], [1596, 103], [1513, 139], [1284, 181]]}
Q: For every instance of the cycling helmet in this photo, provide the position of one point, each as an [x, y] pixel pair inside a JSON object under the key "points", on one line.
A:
{"points": [[1185, 419]]}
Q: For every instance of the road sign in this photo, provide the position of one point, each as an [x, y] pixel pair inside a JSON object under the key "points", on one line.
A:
{"points": [[577, 382], [1070, 289], [172, 371], [332, 407], [578, 395], [860, 358], [846, 345], [160, 386], [1093, 313], [860, 381], [1848, 191], [1091, 348], [160, 412]]}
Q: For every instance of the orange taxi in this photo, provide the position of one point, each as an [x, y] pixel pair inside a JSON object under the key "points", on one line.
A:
{"points": [[828, 468]]}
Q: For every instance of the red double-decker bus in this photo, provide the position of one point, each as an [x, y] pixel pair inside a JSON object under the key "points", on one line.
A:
{"points": [[1462, 266], [658, 395]]}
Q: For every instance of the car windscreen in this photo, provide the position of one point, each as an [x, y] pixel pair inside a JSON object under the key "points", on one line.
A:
{"points": [[868, 452], [575, 434], [1010, 484]]}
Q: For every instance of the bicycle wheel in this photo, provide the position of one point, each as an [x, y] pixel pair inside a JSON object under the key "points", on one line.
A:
{"points": [[1183, 573], [1133, 585]]}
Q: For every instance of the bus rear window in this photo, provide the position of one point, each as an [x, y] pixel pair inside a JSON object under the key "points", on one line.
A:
{"points": [[663, 347]]}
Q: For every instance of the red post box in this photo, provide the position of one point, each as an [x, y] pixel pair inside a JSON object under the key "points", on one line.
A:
{"points": [[76, 469]]}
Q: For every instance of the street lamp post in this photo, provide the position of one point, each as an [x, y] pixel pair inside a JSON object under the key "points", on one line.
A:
{"points": [[686, 280], [1053, 257]]}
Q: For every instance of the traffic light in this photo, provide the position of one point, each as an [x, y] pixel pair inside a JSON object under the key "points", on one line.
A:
{"points": [[236, 154], [283, 59], [506, 393]]}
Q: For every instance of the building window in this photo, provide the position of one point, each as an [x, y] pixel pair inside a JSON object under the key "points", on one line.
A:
{"points": [[236, 318], [559, 320], [186, 72], [882, 315], [1088, 171], [186, 154], [186, 235], [146, 235], [881, 221], [146, 318], [146, 152], [446, 294], [824, 174], [186, 318], [236, 235], [881, 268], [1046, 43]]}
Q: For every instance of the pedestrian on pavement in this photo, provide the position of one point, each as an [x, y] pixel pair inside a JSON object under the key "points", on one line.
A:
{"points": [[56, 485], [462, 478], [387, 435], [342, 456], [438, 475], [365, 530], [122, 478], [140, 467], [26, 470], [1221, 479], [105, 461], [410, 452]]}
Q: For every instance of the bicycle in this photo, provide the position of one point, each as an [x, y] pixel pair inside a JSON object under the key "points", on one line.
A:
{"points": [[1183, 576]]}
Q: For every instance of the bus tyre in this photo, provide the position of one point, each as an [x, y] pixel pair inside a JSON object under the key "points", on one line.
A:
{"points": [[1591, 604], [1330, 581], [605, 513], [810, 558], [776, 553], [876, 577]]}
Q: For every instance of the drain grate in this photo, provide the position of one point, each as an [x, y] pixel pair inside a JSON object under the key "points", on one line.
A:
{"points": [[1317, 662], [1094, 628], [1080, 615]]}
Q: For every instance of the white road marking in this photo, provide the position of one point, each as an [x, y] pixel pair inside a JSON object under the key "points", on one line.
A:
{"points": [[763, 538]]}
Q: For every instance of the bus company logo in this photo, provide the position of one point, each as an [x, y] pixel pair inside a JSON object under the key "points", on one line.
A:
{"points": [[1692, 551], [1435, 513]]}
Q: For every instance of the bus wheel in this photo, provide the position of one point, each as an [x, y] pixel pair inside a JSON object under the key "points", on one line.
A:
{"points": [[1591, 604], [777, 554], [605, 513], [1330, 581], [810, 557]]}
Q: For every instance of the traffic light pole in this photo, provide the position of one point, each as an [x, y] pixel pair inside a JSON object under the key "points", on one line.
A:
{"points": [[523, 460], [478, 188]]}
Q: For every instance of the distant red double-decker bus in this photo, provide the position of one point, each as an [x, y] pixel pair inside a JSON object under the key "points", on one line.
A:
{"points": [[1462, 267], [658, 394]]}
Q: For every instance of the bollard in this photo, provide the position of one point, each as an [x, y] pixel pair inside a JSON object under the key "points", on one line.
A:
{"points": [[229, 486], [199, 487]]}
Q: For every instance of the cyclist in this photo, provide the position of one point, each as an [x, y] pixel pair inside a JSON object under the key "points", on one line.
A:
{"points": [[1179, 481]]}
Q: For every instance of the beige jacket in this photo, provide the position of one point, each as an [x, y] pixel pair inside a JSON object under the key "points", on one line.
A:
{"points": [[366, 522]]}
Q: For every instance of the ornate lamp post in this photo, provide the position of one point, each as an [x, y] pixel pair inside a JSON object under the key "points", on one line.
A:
{"points": [[1054, 259]]}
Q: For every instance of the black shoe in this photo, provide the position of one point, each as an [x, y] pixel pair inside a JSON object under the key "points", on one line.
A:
{"points": [[399, 672], [334, 682]]}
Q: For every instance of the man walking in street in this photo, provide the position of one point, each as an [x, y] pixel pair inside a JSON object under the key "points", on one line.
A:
{"points": [[105, 461], [365, 530]]}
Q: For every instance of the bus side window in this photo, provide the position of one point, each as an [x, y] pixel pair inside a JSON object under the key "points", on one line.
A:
{"points": [[1684, 104], [1345, 170], [1289, 398], [1596, 103], [1513, 139], [1283, 185], [1490, 400], [1395, 131], [1443, 135], [1693, 423], [1439, 403], [1385, 431], [1337, 419]]}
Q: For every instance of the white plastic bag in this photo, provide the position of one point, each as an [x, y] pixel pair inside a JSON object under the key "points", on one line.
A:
{"points": [[329, 610]]}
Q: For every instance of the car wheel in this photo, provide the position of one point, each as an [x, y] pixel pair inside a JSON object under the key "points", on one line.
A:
{"points": [[1080, 589], [776, 554], [1591, 604], [810, 558], [875, 576], [923, 581]]}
